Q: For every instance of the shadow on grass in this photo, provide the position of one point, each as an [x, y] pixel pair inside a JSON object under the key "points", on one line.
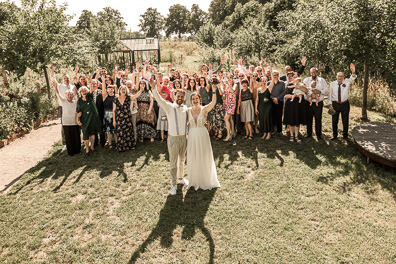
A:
{"points": [[342, 156], [190, 214], [104, 161]]}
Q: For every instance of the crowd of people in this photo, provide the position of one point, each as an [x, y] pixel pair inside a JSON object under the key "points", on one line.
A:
{"points": [[122, 110]]}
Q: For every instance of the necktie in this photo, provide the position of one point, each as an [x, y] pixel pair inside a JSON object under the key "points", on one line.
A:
{"points": [[339, 92]]}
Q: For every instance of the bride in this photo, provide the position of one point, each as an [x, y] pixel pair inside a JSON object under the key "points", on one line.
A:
{"points": [[201, 169]]}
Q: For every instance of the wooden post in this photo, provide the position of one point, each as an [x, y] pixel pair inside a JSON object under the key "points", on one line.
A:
{"points": [[365, 89]]}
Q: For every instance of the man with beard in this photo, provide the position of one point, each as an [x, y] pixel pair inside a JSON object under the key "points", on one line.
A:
{"points": [[315, 110], [176, 114]]}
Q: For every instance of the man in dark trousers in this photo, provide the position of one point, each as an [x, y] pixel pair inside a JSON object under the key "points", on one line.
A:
{"points": [[314, 110], [338, 100], [277, 94]]}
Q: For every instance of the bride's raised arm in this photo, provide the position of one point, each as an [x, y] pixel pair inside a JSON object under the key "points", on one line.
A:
{"points": [[210, 106]]}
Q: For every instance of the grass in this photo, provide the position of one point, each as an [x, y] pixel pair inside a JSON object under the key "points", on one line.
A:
{"points": [[185, 55], [280, 202]]}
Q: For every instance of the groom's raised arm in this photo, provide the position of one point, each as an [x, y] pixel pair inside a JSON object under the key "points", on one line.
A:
{"points": [[164, 104]]}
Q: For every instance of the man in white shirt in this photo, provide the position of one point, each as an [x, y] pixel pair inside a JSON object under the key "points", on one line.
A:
{"points": [[338, 100], [176, 114], [62, 88], [315, 110]]}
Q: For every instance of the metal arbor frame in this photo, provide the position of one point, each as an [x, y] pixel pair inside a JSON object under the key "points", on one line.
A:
{"points": [[137, 49]]}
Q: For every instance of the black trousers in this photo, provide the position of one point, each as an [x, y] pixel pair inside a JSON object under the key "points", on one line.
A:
{"points": [[342, 109], [277, 114], [73, 139], [314, 111], [102, 139]]}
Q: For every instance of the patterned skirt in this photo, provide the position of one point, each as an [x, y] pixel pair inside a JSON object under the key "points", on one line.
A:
{"points": [[108, 122], [217, 118]]}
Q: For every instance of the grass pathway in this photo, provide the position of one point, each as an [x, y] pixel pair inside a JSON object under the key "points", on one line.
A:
{"points": [[25, 152]]}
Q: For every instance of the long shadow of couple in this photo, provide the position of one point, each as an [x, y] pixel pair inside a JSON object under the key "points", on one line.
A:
{"points": [[190, 214]]}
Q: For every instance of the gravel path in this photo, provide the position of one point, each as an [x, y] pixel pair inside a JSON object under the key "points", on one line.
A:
{"points": [[25, 152]]}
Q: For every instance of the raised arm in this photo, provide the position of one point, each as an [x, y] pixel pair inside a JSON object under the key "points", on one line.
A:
{"points": [[162, 103], [210, 106]]}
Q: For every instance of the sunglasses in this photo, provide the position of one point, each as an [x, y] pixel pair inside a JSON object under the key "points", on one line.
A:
{"points": [[124, 75], [240, 76]]}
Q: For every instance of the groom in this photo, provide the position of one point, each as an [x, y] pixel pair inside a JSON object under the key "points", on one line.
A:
{"points": [[176, 114]]}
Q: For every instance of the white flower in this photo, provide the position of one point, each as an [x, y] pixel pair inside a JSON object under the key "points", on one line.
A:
{"points": [[24, 100]]}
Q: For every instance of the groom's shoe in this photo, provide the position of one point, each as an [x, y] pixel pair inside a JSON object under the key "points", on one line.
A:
{"points": [[183, 181], [173, 190]]}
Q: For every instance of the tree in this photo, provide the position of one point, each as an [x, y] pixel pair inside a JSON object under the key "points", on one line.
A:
{"points": [[151, 22], [337, 32], [7, 12], [197, 19], [177, 20], [110, 15], [84, 21], [39, 36]]}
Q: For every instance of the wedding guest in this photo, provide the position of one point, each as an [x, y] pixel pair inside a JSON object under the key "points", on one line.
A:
{"points": [[255, 85], [98, 99], [294, 112], [217, 118], [69, 121], [290, 69], [229, 105], [263, 108], [316, 110], [245, 108], [277, 94], [134, 112], [206, 94], [88, 118], [162, 122], [122, 119], [191, 87], [62, 88], [108, 100], [146, 123], [166, 87], [338, 100]]}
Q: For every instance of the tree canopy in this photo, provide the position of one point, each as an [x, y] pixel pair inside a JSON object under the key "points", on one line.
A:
{"points": [[151, 22]]}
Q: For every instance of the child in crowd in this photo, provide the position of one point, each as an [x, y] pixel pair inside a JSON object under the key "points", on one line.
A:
{"points": [[313, 95], [134, 111], [297, 92], [162, 122]]}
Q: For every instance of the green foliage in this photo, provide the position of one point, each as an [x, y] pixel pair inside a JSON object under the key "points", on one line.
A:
{"points": [[198, 18], [151, 22], [84, 21], [20, 114], [7, 14], [177, 20]]}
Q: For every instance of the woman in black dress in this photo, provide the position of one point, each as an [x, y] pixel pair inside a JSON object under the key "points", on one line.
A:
{"points": [[122, 119], [263, 108], [294, 112]]}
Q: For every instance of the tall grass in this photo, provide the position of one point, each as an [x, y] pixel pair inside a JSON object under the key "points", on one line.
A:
{"points": [[379, 96]]}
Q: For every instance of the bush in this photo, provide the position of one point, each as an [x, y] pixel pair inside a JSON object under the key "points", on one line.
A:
{"points": [[379, 96]]}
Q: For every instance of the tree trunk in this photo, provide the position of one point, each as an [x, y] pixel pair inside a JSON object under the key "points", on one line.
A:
{"points": [[47, 81], [365, 89]]}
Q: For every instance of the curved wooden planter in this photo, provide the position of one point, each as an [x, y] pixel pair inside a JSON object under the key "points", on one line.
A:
{"points": [[23, 132], [377, 141]]}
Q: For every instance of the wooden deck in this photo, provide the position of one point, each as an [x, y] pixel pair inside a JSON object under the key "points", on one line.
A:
{"points": [[377, 141]]}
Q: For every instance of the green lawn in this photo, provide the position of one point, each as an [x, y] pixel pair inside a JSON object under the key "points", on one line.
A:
{"points": [[280, 202]]}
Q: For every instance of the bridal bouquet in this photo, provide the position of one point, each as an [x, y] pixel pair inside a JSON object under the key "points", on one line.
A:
{"points": [[213, 80]]}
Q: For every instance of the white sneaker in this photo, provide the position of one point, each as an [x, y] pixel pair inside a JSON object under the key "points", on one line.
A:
{"points": [[173, 190], [64, 148], [183, 181]]}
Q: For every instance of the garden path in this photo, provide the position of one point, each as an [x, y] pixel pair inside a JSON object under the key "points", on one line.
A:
{"points": [[26, 152]]}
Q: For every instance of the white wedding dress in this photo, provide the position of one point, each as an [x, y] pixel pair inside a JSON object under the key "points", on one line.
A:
{"points": [[201, 169]]}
